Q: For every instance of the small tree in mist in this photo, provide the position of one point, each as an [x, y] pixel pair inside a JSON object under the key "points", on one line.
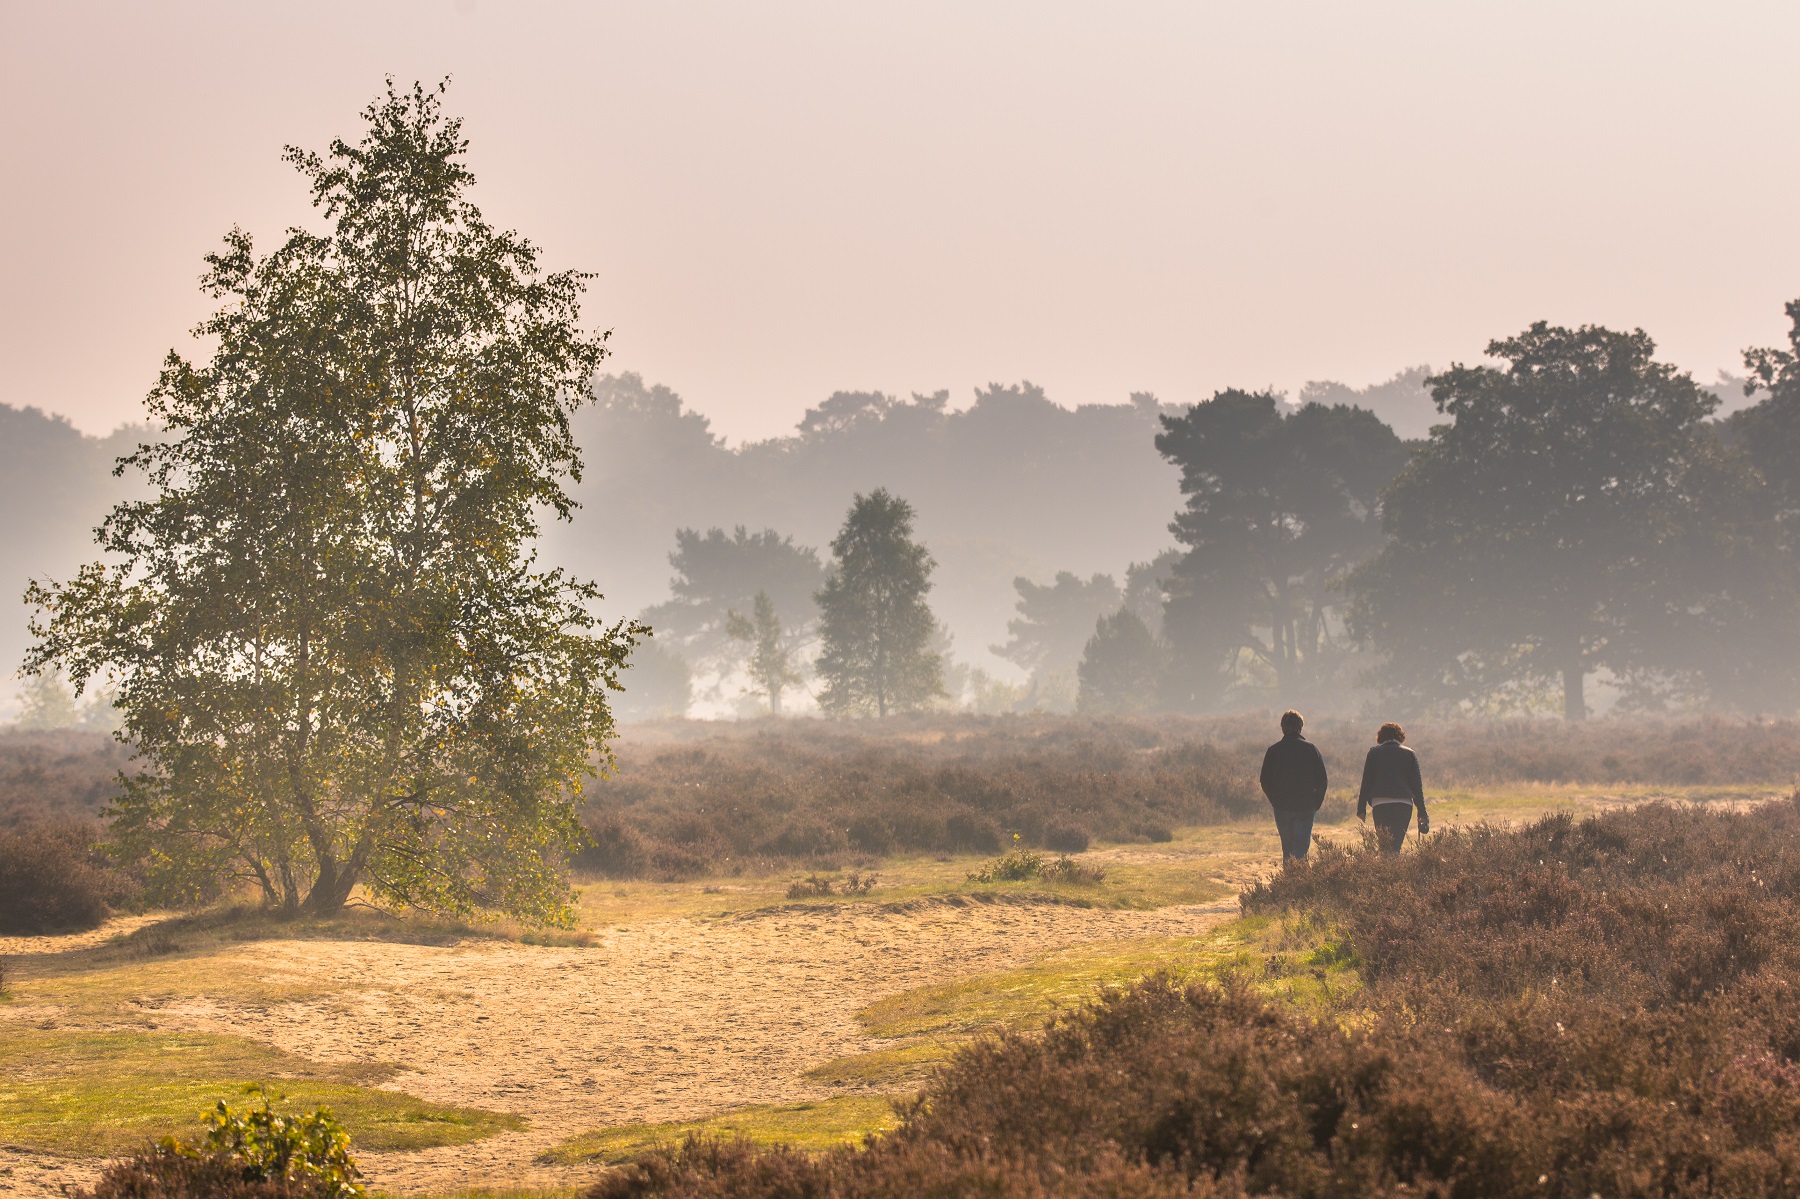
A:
{"points": [[771, 662], [1054, 622], [718, 573], [336, 661], [47, 702], [874, 624], [1557, 526], [1120, 666]]}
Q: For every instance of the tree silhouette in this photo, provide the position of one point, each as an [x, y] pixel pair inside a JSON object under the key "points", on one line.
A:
{"points": [[1539, 536], [1054, 622], [717, 574], [1120, 666], [874, 626], [1279, 509]]}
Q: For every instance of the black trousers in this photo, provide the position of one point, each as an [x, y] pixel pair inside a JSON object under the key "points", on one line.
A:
{"points": [[1391, 822]]}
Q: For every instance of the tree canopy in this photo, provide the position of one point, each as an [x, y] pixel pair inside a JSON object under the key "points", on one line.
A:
{"points": [[1280, 507], [336, 659], [875, 627], [1557, 525]]}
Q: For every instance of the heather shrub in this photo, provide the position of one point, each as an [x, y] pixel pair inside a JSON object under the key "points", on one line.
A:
{"points": [[55, 878], [813, 794], [57, 774], [159, 1174]]}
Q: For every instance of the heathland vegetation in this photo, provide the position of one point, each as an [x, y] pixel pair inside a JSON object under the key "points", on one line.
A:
{"points": [[1602, 1006]]}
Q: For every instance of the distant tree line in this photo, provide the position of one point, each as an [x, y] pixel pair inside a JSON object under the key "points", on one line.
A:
{"points": [[1578, 514]]}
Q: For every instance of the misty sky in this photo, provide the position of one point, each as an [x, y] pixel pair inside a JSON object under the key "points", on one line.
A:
{"points": [[785, 199]]}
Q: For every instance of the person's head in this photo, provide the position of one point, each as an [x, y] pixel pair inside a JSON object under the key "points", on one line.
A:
{"points": [[1390, 732], [1292, 722]]}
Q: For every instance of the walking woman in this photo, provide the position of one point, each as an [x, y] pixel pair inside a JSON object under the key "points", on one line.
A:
{"points": [[1391, 785]]}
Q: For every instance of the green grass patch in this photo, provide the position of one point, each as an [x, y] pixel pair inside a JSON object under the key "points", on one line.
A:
{"points": [[1020, 998], [811, 1127], [1139, 878], [1302, 959], [103, 1093], [885, 1069]]}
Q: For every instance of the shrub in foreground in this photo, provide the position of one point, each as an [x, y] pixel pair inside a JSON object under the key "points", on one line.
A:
{"points": [[157, 1174], [259, 1153], [55, 878]]}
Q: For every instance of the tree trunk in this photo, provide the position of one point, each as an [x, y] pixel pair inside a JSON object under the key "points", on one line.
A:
{"points": [[1574, 700]]}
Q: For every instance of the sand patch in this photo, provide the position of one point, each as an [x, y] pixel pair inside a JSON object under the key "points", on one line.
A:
{"points": [[660, 1021]]}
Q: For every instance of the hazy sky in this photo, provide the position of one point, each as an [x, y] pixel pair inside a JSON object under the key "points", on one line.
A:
{"points": [[786, 199]]}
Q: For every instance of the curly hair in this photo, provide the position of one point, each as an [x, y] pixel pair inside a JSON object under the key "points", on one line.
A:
{"points": [[1390, 732]]}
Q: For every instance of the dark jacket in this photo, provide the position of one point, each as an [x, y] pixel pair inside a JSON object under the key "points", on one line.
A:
{"points": [[1391, 771], [1293, 775]]}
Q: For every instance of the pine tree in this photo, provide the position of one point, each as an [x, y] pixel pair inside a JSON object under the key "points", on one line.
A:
{"points": [[1119, 670], [875, 626]]}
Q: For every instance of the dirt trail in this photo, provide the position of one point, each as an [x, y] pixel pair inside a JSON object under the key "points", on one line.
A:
{"points": [[664, 1020]]}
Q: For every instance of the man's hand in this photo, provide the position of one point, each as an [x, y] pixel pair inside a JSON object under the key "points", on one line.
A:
{"points": [[1424, 825]]}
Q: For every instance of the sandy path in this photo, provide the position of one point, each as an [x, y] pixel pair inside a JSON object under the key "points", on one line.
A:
{"points": [[665, 1020]]}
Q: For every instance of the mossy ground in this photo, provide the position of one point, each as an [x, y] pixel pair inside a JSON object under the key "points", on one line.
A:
{"points": [[101, 1093]]}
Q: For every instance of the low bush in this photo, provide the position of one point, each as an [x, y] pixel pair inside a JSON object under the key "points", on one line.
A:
{"points": [[1021, 865], [158, 1174], [1608, 1006], [813, 886], [55, 878], [258, 1153]]}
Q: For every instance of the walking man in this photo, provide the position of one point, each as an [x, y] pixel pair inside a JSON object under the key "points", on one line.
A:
{"points": [[1293, 777]]}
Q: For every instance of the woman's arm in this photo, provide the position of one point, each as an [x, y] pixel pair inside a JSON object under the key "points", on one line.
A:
{"points": [[1418, 790]]}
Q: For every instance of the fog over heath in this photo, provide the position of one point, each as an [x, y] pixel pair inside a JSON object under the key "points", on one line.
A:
{"points": [[781, 201]]}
